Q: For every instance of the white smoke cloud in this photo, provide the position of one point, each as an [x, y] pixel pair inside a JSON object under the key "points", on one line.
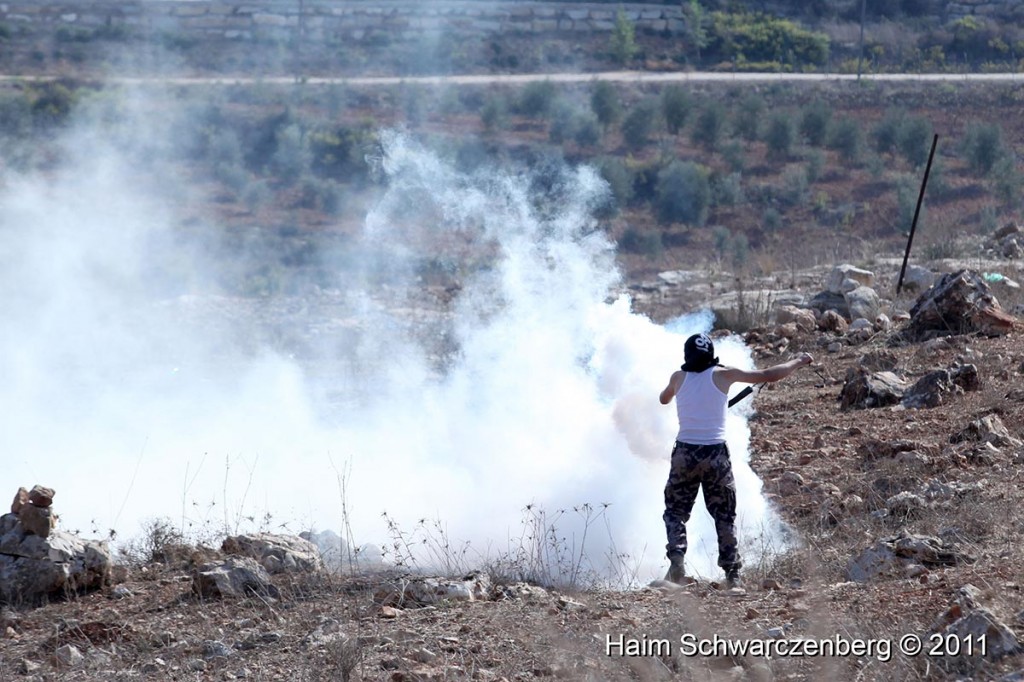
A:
{"points": [[135, 398]]}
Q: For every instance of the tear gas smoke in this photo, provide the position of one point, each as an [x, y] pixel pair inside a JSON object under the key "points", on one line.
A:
{"points": [[137, 390]]}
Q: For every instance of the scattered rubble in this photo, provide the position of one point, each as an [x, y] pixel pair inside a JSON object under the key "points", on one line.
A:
{"points": [[421, 591]]}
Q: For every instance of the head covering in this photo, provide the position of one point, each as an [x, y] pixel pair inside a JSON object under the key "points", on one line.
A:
{"points": [[699, 353]]}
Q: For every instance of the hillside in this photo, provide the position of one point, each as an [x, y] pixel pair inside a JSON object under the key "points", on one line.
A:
{"points": [[831, 483]]}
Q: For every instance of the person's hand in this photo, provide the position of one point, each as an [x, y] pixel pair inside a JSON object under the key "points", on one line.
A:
{"points": [[805, 358]]}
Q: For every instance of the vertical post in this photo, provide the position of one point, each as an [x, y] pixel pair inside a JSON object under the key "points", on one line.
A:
{"points": [[917, 212], [860, 51]]}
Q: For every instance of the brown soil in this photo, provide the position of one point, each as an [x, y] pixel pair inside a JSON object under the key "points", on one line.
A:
{"points": [[327, 626]]}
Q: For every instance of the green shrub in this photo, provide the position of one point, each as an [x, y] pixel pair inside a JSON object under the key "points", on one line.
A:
{"points": [[908, 188], [814, 122], [815, 165], [257, 194], [644, 242], [756, 37], [320, 194], [747, 122], [983, 146], [292, 157], [604, 101], [586, 129], [887, 131], [623, 40], [727, 190], [721, 238], [639, 123], [675, 107], [846, 138], [620, 183], [709, 126], [771, 219], [536, 99], [51, 103], [793, 191], [683, 194], [340, 153], [735, 156], [1006, 182], [779, 135], [740, 250], [914, 139], [494, 114]]}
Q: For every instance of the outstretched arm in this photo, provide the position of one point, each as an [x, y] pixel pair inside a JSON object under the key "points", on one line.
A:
{"points": [[731, 375], [670, 391]]}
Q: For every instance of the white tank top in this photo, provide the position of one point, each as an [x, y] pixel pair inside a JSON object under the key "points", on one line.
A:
{"points": [[701, 407]]}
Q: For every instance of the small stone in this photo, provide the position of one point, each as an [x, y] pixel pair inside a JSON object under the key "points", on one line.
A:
{"points": [[770, 584], [41, 496], [20, 500], [10, 633], [834, 347], [776, 631], [390, 612], [213, 648], [121, 592], [422, 655], [27, 667], [752, 613], [197, 665], [69, 655]]}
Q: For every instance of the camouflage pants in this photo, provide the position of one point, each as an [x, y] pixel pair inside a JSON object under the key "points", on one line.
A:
{"points": [[692, 467]]}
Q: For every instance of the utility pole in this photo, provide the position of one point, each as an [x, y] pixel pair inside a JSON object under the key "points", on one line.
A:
{"points": [[860, 51]]}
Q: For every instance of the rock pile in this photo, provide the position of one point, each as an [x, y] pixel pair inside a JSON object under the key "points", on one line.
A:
{"points": [[1007, 242], [38, 561], [34, 510]]}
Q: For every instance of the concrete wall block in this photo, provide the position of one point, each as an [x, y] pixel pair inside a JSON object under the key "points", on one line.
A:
{"points": [[190, 10]]}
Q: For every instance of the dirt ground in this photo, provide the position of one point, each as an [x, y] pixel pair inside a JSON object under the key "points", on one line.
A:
{"points": [[822, 470]]}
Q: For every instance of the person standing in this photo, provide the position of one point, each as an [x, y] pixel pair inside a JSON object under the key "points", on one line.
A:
{"points": [[700, 457]]}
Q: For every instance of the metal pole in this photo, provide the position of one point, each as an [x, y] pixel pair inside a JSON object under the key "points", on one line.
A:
{"points": [[917, 212], [860, 52]]}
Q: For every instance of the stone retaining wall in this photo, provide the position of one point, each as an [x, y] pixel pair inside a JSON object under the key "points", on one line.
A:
{"points": [[358, 19], [320, 19]]}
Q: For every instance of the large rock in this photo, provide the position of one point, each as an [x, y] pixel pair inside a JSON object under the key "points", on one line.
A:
{"points": [[234, 577], [862, 302], [34, 568], [981, 625], [36, 520], [865, 389], [832, 321], [20, 500], [842, 273], [41, 496], [406, 592], [827, 300], [894, 555], [276, 553], [803, 319], [934, 388], [988, 429], [918, 278], [959, 303]]}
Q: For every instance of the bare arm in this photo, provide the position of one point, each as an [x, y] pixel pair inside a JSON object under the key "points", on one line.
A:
{"points": [[670, 391], [731, 375]]}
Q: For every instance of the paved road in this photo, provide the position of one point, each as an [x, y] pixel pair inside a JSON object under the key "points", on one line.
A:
{"points": [[490, 79]]}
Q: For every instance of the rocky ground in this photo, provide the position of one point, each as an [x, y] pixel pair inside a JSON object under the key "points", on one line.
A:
{"points": [[909, 518]]}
